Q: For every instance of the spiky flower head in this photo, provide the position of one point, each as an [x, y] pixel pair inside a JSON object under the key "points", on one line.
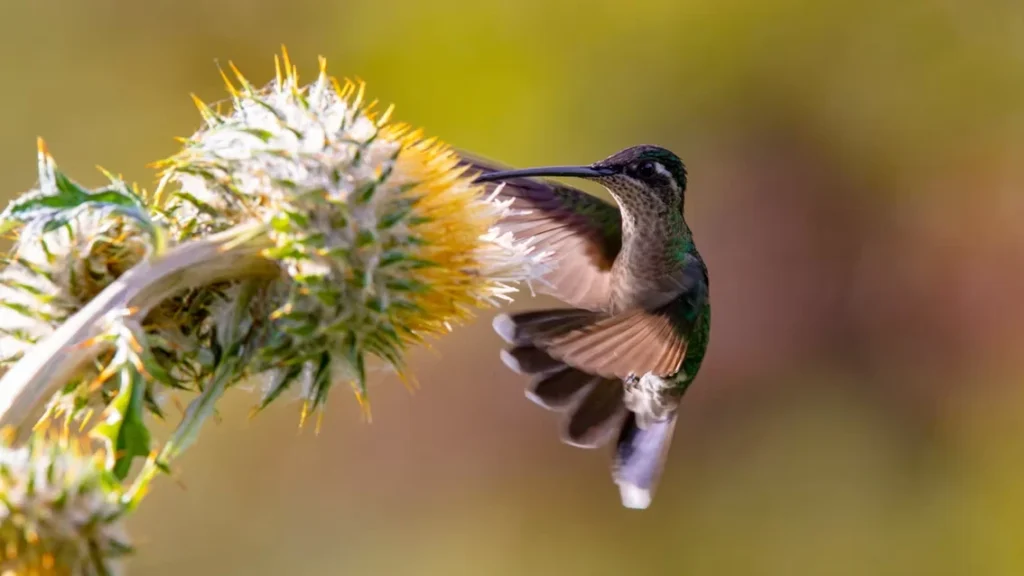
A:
{"points": [[60, 511], [63, 257], [381, 237], [71, 244]]}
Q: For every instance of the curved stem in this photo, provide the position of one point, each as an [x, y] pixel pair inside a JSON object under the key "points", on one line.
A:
{"points": [[34, 379]]}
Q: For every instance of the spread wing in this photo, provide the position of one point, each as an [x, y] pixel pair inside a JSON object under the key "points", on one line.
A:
{"points": [[611, 346], [617, 345], [582, 232]]}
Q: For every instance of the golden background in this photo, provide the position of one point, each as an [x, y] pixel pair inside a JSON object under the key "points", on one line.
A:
{"points": [[857, 189]]}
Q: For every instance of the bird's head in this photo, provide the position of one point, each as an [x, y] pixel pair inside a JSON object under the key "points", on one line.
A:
{"points": [[637, 176]]}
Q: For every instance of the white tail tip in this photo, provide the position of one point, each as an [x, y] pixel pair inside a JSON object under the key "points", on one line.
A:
{"points": [[634, 497]]}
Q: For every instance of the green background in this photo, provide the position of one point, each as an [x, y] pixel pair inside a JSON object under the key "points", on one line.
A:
{"points": [[857, 189]]}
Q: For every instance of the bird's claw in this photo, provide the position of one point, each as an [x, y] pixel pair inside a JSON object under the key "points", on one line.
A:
{"points": [[649, 397]]}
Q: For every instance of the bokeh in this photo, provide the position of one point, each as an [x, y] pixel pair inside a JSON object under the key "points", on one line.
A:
{"points": [[857, 189]]}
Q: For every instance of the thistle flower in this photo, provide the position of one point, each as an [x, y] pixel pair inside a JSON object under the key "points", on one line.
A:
{"points": [[306, 236], [65, 257], [381, 238], [297, 237], [73, 243], [60, 511]]}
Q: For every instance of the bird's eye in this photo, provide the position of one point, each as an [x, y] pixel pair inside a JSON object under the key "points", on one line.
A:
{"points": [[646, 169]]}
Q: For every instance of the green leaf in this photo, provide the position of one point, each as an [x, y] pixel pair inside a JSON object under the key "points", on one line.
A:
{"points": [[154, 369], [66, 196], [406, 285], [28, 311], [199, 205], [322, 380], [392, 218], [199, 410], [124, 429], [60, 200], [281, 380], [366, 193], [353, 353], [264, 135]]}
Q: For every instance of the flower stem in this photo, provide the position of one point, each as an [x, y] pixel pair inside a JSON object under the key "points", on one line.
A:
{"points": [[34, 379], [187, 430], [228, 370]]}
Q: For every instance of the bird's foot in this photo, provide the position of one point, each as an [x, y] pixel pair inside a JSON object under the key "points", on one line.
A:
{"points": [[649, 397]]}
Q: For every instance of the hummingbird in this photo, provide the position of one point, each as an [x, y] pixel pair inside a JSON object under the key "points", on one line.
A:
{"points": [[616, 359]]}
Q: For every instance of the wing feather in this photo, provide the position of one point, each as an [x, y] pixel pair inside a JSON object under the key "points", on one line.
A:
{"points": [[583, 233], [610, 346]]}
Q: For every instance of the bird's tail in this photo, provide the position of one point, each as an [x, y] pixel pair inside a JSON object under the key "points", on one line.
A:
{"points": [[594, 406], [640, 458]]}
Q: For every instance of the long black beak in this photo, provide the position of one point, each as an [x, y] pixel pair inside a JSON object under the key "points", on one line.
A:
{"points": [[550, 172]]}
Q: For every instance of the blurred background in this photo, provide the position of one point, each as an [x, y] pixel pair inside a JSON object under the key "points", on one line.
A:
{"points": [[857, 189]]}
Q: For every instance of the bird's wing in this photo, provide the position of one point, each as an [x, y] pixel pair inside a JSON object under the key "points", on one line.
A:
{"points": [[611, 346], [582, 232], [634, 342]]}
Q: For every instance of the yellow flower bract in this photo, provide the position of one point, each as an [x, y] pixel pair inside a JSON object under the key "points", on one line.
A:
{"points": [[455, 222]]}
